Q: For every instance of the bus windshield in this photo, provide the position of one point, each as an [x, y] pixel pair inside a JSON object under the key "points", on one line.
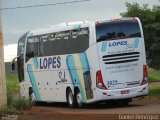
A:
{"points": [[21, 44], [117, 30]]}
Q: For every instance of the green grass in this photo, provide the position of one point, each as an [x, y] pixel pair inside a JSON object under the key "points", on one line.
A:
{"points": [[12, 83], [154, 91], [14, 104], [153, 75]]}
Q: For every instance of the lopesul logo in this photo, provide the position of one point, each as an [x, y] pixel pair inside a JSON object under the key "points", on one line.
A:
{"points": [[117, 43], [50, 62]]}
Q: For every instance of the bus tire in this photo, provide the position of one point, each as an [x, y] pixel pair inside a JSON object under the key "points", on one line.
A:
{"points": [[124, 103], [79, 100], [71, 99]]}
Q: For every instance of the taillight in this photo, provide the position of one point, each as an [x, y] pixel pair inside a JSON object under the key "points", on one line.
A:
{"points": [[144, 80], [99, 79]]}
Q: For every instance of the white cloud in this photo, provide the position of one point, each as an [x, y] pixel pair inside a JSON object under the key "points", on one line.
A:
{"points": [[10, 51]]}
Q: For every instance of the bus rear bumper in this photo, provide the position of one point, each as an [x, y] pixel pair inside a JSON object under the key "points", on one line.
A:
{"points": [[122, 93]]}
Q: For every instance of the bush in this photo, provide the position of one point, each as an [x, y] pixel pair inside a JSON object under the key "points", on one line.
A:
{"points": [[15, 105], [8, 110], [154, 91], [22, 104], [153, 75]]}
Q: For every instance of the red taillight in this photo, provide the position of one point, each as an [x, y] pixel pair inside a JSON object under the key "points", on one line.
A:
{"points": [[144, 71], [144, 80], [99, 79]]}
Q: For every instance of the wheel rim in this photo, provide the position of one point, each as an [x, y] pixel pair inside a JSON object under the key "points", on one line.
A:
{"points": [[79, 99], [70, 98]]}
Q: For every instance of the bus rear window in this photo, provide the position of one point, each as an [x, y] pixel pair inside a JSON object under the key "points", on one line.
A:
{"points": [[117, 30]]}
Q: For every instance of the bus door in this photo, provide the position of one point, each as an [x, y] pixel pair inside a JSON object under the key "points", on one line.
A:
{"points": [[20, 66]]}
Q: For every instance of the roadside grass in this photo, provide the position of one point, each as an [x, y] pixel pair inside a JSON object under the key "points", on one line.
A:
{"points": [[153, 75], [14, 103], [154, 91], [12, 83], [14, 106]]}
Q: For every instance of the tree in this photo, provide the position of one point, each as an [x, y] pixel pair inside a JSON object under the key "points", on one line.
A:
{"points": [[150, 18]]}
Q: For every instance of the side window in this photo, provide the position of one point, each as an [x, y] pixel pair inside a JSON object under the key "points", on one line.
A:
{"points": [[32, 48], [66, 42]]}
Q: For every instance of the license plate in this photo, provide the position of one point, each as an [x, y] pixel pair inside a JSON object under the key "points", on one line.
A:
{"points": [[124, 91]]}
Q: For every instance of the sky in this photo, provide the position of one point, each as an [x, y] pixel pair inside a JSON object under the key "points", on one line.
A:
{"points": [[18, 21]]}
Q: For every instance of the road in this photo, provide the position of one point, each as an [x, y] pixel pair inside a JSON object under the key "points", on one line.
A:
{"points": [[60, 111]]}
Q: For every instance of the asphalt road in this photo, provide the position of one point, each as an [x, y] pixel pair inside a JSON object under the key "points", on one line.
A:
{"points": [[60, 111]]}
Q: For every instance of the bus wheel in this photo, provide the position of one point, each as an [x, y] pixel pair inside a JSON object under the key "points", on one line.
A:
{"points": [[70, 99], [79, 100], [124, 103]]}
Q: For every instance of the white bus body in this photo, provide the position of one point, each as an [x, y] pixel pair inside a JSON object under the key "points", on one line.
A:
{"points": [[84, 62]]}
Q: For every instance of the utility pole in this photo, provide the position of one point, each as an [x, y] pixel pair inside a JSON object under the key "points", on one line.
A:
{"points": [[3, 95]]}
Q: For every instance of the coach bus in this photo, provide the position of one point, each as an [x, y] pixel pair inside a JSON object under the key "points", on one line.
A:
{"points": [[83, 62]]}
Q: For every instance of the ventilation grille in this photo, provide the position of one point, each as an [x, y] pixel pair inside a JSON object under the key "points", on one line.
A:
{"points": [[121, 58]]}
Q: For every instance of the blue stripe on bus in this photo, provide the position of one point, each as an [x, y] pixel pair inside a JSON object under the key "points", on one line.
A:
{"points": [[86, 76], [136, 41], [104, 46], [35, 60], [73, 73], [33, 82], [84, 61], [70, 66]]}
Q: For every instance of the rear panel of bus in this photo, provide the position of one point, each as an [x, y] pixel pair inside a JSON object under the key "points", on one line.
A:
{"points": [[121, 54]]}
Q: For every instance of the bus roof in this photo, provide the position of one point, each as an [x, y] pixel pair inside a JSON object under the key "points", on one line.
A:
{"points": [[119, 19], [59, 27]]}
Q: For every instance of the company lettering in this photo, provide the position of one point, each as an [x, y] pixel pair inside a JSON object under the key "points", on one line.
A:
{"points": [[50, 62], [117, 43]]}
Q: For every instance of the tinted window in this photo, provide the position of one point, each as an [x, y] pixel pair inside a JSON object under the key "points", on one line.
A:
{"points": [[21, 44], [67, 42], [117, 30], [59, 43], [33, 47]]}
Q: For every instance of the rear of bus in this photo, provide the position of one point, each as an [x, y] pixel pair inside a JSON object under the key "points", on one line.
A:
{"points": [[122, 72]]}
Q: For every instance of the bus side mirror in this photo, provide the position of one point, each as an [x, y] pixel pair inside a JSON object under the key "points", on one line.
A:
{"points": [[13, 63], [13, 66]]}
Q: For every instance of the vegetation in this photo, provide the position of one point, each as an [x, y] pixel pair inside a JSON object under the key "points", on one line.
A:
{"points": [[14, 104], [12, 83], [8, 110], [154, 91], [150, 18], [153, 75]]}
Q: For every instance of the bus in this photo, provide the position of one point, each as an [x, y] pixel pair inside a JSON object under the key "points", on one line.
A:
{"points": [[83, 62]]}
